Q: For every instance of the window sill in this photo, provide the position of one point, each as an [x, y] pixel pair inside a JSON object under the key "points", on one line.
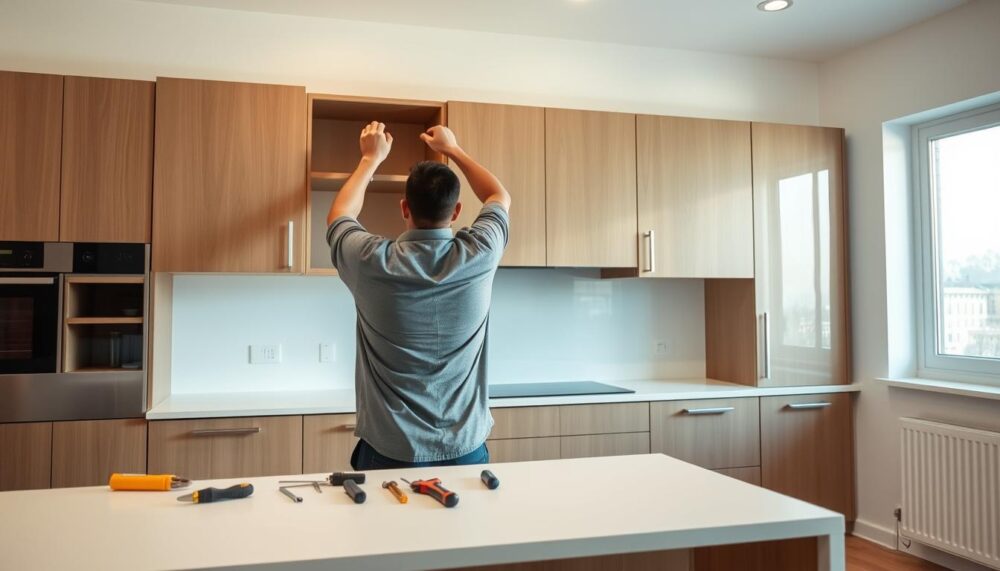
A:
{"points": [[974, 390]]}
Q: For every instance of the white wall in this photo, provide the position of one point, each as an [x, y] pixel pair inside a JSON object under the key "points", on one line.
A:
{"points": [[942, 61], [545, 325], [122, 38]]}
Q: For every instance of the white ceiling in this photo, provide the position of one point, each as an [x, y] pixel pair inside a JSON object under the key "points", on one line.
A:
{"points": [[811, 30]]}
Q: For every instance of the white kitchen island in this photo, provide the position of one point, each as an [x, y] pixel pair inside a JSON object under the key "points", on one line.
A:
{"points": [[557, 509]]}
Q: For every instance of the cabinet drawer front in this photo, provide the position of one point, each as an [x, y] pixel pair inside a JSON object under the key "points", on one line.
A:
{"points": [[713, 433], [87, 452], [750, 474], [327, 443], [527, 422], [523, 449], [604, 418], [25, 456], [604, 445], [226, 447]]}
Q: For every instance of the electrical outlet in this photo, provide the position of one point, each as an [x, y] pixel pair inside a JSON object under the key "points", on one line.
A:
{"points": [[663, 347], [265, 354], [327, 352]]}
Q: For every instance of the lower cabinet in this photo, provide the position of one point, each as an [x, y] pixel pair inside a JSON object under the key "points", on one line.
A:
{"points": [[807, 449], [750, 475], [87, 452], [205, 449], [327, 443], [592, 445], [25, 456], [523, 449], [712, 433]]}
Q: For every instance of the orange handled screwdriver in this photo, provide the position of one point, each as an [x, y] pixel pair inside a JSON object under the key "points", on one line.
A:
{"points": [[393, 488], [434, 489]]}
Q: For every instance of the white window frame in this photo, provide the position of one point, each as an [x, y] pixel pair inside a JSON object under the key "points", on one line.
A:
{"points": [[931, 364]]}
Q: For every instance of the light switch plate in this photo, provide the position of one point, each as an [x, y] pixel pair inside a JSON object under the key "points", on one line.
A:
{"points": [[327, 352], [265, 354]]}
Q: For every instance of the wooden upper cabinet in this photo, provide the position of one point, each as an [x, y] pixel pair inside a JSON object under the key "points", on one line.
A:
{"points": [[107, 160], [30, 132], [229, 178], [695, 198], [510, 141], [590, 210], [800, 242]]}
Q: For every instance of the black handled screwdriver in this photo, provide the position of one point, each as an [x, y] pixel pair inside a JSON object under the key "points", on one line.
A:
{"points": [[209, 495]]}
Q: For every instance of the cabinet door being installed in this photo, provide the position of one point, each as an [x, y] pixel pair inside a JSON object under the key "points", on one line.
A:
{"points": [[510, 141], [801, 255], [229, 189]]}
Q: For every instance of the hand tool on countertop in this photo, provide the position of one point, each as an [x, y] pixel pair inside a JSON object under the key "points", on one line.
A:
{"points": [[300, 483], [434, 489], [491, 481], [354, 491], [334, 479], [209, 495], [147, 482], [393, 488], [291, 496]]}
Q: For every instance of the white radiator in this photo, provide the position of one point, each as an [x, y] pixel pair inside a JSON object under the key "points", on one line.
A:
{"points": [[951, 489]]}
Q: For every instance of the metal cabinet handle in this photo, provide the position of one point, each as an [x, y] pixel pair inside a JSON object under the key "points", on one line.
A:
{"points": [[27, 281], [224, 431], [713, 410], [808, 405], [349, 427], [650, 240], [291, 244], [767, 346]]}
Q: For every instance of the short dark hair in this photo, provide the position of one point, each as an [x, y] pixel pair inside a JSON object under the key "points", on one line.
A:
{"points": [[432, 191]]}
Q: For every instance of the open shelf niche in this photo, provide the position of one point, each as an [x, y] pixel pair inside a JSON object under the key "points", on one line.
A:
{"points": [[103, 328], [335, 123]]}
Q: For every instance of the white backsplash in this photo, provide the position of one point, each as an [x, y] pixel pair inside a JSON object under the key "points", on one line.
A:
{"points": [[546, 325]]}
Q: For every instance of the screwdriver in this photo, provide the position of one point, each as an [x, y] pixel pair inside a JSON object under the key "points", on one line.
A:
{"points": [[434, 489], [209, 495], [393, 487]]}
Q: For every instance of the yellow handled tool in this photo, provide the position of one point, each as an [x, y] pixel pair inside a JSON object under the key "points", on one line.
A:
{"points": [[147, 482], [393, 488]]}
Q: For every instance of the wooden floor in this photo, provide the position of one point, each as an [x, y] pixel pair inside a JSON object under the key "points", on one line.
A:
{"points": [[863, 555]]}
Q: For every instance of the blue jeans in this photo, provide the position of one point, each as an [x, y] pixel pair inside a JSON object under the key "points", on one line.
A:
{"points": [[367, 458]]}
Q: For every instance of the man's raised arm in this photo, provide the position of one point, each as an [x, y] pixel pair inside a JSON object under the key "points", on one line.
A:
{"points": [[486, 186], [375, 147]]}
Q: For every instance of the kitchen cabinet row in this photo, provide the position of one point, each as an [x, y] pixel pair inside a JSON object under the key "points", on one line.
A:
{"points": [[76, 158], [797, 445]]}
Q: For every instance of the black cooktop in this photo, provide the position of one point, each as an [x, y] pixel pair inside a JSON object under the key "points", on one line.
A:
{"points": [[515, 390]]}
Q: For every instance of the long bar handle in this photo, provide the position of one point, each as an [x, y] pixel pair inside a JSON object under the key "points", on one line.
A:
{"points": [[650, 240], [808, 405], [713, 410], [291, 245], [27, 281], [348, 426], [767, 346], [224, 431]]}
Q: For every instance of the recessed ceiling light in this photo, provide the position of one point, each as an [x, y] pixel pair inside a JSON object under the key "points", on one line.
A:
{"points": [[774, 5]]}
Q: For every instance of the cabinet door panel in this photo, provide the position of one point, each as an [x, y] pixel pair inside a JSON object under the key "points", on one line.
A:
{"points": [[87, 452], [705, 433], [230, 174], [523, 449], [25, 456], [807, 449], [604, 445], [525, 422], [801, 254], [695, 194], [590, 207], [226, 447], [107, 160], [30, 132], [327, 443], [510, 141], [604, 418]]}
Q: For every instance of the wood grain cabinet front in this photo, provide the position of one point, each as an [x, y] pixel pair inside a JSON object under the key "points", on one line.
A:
{"points": [[713, 433], [807, 449], [25, 456], [87, 452], [591, 445], [327, 442], [107, 160], [525, 422], [229, 184], [31, 111], [226, 447], [604, 418], [523, 449]]}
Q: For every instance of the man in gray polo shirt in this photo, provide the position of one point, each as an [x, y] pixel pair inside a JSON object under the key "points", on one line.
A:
{"points": [[423, 305]]}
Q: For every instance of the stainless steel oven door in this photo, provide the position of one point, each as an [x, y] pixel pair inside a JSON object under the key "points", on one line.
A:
{"points": [[29, 323]]}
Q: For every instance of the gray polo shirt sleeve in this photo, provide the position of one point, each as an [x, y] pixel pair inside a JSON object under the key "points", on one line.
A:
{"points": [[350, 246], [491, 229]]}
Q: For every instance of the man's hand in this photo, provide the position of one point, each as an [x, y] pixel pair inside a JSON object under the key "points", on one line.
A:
{"points": [[441, 140], [375, 142]]}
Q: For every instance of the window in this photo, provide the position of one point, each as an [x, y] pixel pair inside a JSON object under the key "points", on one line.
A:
{"points": [[958, 239]]}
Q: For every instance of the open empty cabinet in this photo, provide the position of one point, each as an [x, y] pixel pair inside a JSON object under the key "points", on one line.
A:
{"points": [[335, 124]]}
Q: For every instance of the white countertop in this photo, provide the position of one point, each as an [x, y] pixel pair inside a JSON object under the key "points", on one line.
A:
{"points": [[219, 405], [542, 510]]}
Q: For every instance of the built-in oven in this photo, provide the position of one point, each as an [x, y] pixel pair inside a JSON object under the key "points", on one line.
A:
{"points": [[30, 301]]}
